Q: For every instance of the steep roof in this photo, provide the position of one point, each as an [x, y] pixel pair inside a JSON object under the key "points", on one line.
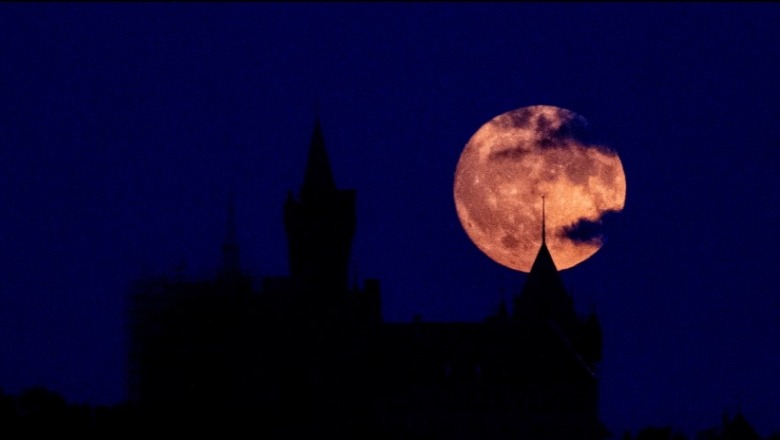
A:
{"points": [[544, 294], [319, 176]]}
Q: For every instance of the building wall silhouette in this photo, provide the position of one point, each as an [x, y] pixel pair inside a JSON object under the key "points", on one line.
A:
{"points": [[306, 354]]}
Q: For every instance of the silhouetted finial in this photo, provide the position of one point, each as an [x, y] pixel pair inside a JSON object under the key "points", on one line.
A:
{"points": [[544, 232]]}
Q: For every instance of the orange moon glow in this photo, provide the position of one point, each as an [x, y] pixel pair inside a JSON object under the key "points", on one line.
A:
{"points": [[519, 157]]}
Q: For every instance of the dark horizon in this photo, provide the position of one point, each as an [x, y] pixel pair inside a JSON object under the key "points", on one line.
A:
{"points": [[125, 126]]}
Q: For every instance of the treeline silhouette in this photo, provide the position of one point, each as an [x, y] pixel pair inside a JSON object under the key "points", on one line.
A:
{"points": [[40, 411]]}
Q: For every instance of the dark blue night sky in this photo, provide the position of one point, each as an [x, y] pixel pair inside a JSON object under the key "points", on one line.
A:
{"points": [[124, 127]]}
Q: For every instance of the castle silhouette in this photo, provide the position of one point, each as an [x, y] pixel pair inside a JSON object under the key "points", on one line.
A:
{"points": [[308, 355]]}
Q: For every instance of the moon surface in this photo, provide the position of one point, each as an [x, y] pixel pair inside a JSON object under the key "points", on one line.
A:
{"points": [[515, 160]]}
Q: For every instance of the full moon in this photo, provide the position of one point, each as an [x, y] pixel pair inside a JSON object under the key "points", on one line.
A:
{"points": [[526, 157]]}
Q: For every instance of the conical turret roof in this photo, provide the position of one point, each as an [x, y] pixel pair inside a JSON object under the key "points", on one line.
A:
{"points": [[544, 295], [319, 176]]}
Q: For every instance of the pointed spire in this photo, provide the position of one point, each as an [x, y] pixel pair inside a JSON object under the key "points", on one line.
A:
{"points": [[544, 262], [544, 227], [543, 295], [318, 177], [230, 250]]}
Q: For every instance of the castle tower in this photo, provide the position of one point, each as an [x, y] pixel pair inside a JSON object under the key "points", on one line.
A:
{"points": [[544, 298], [560, 354], [320, 224]]}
